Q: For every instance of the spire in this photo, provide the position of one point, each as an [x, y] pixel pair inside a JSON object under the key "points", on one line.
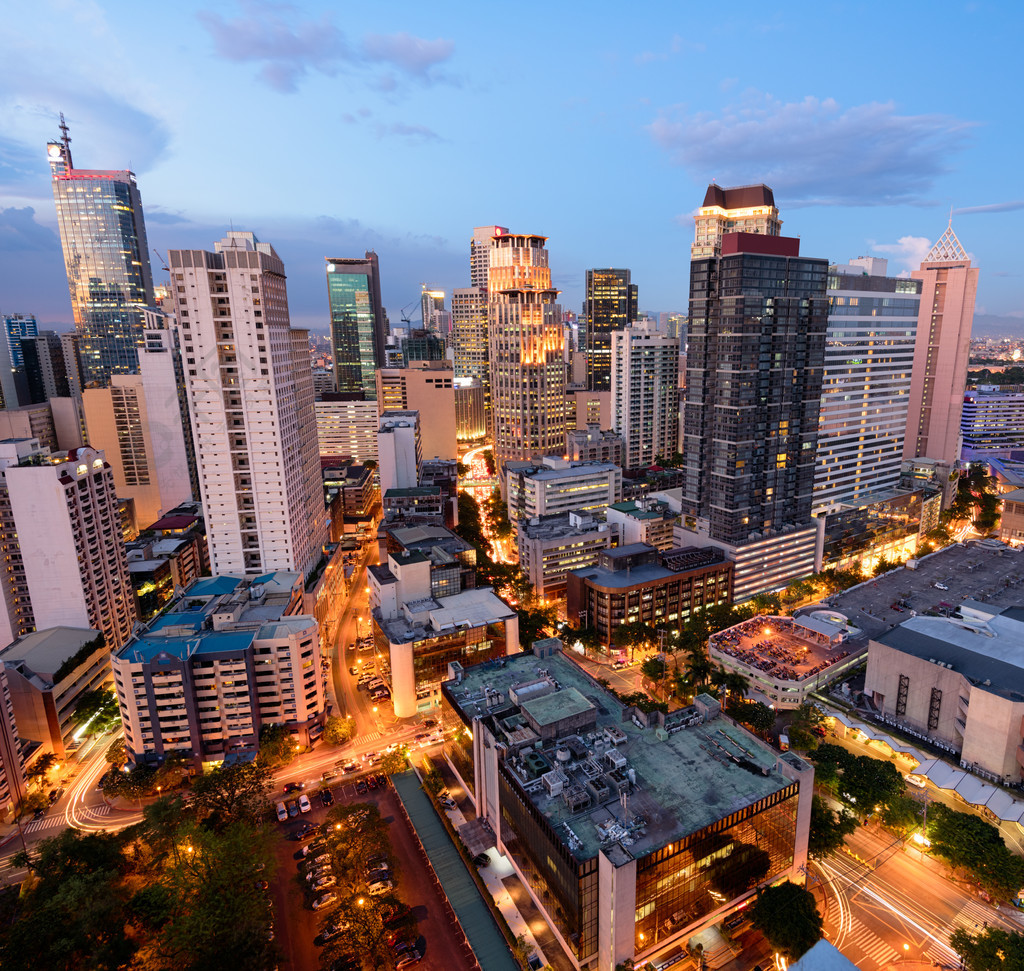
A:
{"points": [[948, 248], [65, 139]]}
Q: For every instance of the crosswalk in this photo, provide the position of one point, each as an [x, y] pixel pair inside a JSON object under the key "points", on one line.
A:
{"points": [[47, 822], [974, 916], [875, 951]]}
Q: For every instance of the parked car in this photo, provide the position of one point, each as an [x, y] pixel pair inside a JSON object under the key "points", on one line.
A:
{"points": [[379, 887], [293, 808], [304, 804], [481, 859], [353, 670], [325, 900], [294, 787], [448, 802], [361, 787], [325, 881], [282, 813], [326, 797], [408, 959]]}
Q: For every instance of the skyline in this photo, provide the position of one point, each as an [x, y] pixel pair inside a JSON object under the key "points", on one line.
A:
{"points": [[395, 135]]}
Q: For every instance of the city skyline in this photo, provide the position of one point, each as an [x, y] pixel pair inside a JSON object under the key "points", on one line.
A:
{"points": [[874, 158]]}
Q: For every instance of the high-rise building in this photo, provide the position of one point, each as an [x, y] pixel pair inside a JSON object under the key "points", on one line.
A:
{"points": [[45, 367], [106, 255], [12, 777], [346, 427], [645, 392], [470, 413], [400, 450], [250, 388], [358, 324], [609, 306], [66, 564], [525, 349], [469, 338], [436, 320], [426, 387], [18, 327], [869, 354], [741, 209], [480, 254], [421, 345], [949, 285]]}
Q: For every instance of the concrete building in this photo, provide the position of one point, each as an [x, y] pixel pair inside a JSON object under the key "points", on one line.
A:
{"points": [[590, 444], [428, 388], [741, 209], [992, 418], [480, 255], [552, 546], [629, 831], [609, 306], [553, 485], [639, 584], [417, 506], [63, 545], [957, 681], [172, 557], [400, 450], [358, 324], [48, 672], [469, 337], [525, 351], [416, 635], [869, 353], [45, 367], [250, 390], [645, 393], [346, 428], [583, 408], [12, 776], [1011, 524], [470, 410], [645, 520], [949, 287], [452, 559], [232, 656], [357, 485]]}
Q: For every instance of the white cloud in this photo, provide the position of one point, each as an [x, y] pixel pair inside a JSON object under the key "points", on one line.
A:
{"points": [[909, 251]]}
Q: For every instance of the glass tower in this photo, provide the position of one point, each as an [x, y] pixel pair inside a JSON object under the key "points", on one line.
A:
{"points": [[18, 327], [610, 305], [357, 323], [106, 256]]}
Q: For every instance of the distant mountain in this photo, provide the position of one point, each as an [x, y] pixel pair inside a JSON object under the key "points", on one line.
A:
{"points": [[994, 325]]}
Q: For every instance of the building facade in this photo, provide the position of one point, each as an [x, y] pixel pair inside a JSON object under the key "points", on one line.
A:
{"points": [[609, 306], [949, 286], [646, 520], [46, 373], [992, 418], [590, 444], [469, 339], [741, 209], [250, 390], [346, 427], [427, 387], [358, 325], [106, 255], [525, 351], [550, 547], [557, 486], [645, 393]]}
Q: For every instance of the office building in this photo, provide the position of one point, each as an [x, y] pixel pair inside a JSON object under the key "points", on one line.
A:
{"points": [[992, 418], [106, 255], [1011, 522], [469, 334], [590, 444], [170, 558], [470, 410], [480, 255], [434, 317], [949, 286], [645, 393], [741, 209], [609, 306], [63, 549], [452, 559], [48, 673], [72, 362], [553, 485], [647, 520], [12, 776], [45, 367], [417, 634], [630, 832], [232, 656], [551, 546], [427, 387], [358, 325], [957, 682], [17, 328], [250, 391], [346, 427], [525, 349], [869, 355], [399, 450], [637, 583], [584, 408], [420, 345]]}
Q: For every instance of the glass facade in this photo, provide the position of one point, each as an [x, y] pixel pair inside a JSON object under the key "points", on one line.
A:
{"points": [[353, 292], [879, 528], [610, 305], [106, 256]]}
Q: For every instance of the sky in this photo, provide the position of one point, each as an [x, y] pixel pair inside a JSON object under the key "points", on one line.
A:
{"points": [[330, 128]]}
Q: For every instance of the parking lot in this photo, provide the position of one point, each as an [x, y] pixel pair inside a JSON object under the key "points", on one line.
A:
{"points": [[971, 572]]}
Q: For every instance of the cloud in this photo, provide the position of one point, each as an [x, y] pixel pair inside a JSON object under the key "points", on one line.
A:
{"points": [[20, 233], [814, 152], [994, 207], [909, 251], [288, 48], [32, 277], [419, 133]]}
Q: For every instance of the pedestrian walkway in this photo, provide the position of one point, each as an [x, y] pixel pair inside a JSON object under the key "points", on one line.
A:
{"points": [[47, 822], [483, 935], [973, 917], [508, 909], [872, 947]]}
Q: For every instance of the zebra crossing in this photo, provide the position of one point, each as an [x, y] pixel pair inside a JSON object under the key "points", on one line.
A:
{"points": [[873, 949], [47, 822], [973, 916]]}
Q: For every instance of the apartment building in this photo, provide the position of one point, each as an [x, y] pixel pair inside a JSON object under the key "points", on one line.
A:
{"points": [[553, 485]]}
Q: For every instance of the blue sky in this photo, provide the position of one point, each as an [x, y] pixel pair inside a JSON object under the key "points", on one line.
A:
{"points": [[331, 128]]}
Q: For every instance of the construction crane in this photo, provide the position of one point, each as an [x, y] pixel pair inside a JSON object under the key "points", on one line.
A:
{"points": [[402, 313]]}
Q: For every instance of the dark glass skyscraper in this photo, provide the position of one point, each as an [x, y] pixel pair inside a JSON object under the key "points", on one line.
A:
{"points": [[107, 260], [758, 315], [358, 331], [610, 304]]}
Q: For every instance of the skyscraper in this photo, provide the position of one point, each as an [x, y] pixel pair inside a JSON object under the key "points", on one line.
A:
{"points": [[436, 320], [358, 328], [250, 387], [645, 392], [949, 285], [45, 367], [741, 209], [107, 260], [526, 344], [480, 254], [18, 327], [609, 305], [469, 337], [869, 352]]}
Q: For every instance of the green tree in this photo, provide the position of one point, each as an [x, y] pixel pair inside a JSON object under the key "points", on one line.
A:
{"points": [[116, 754], [654, 669], [755, 714], [974, 845], [233, 792], [829, 828], [867, 783], [131, 783], [99, 709], [902, 814], [338, 731], [395, 761], [765, 603], [788, 917], [801, 731], [277, 746], [992, 949], [41, 767]]}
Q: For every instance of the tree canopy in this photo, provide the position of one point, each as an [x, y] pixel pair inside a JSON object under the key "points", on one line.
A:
{"points": [[789, 919], [829, 828], [972, 844], [993, 949]]}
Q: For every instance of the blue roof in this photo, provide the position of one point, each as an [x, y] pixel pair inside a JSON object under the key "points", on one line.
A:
{"points": [[147, 648], [190, 617], [213, 586]]}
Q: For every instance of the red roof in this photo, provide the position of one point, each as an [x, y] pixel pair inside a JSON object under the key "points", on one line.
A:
{"points": [[175, 522]]}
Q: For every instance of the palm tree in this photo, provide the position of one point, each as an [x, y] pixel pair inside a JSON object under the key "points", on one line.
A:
{"points": [[737, 685], [698, 668]]}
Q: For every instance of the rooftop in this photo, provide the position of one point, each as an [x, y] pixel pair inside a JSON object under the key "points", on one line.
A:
{"points": [[175, 522], [44, 651], [150, 647], [680, 778], [426, 618]]}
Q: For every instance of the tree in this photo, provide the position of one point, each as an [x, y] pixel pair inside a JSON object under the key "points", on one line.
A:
{"points": [[233, 792], [277, 746], [788, 917], [41, 767], [521, 951], [395, 761], [131, 783], [765, 603], [116, 754], [756, 714], [883, 566], [992, 949], [801, 732], [338, 731], [867, 783], [737, 685], [829, 828], [902, 814], [654, 669], [99, 710], [970, 843]]}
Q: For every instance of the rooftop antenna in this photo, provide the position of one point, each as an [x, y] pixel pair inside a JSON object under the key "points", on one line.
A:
{"points": [[65, 139]]}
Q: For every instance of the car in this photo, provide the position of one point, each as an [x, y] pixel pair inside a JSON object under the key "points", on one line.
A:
{"points": [[363, 648], [353, 670], [282, 813], [481, 859], [262, 885], [408, 959], [736, 919], [39, 813], [371, 782], [361, 787], [380, 859], [400, 947], [55, 795], [324, 882], [321, 859], [430, 723], [293, 787], [349, 767], [304, 804], [328, 776], [918, 781], [293, 808], [448, 802], [941, 586], [325, 900], [377, 876], [379, 887]]}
